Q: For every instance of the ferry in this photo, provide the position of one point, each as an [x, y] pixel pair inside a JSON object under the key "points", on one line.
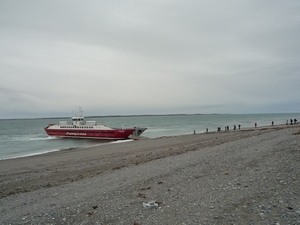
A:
{"points": [[89, 129]]}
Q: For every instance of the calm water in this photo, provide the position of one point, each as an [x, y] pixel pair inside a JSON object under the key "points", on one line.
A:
{"points": [[26, 137]]}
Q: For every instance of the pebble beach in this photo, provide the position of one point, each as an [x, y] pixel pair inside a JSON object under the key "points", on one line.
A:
{"points": [[248, 176]]}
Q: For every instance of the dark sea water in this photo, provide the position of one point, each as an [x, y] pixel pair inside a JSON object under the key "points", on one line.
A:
{"points": [[24, 137]]}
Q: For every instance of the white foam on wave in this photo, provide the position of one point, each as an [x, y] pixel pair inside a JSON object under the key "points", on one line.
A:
{"points": [[31, 154], [107, 143], [121, 141]]}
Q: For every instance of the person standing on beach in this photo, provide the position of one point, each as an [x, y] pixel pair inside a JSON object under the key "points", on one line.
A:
{"points": [[239, 126], [255, 125], [272, 123]]}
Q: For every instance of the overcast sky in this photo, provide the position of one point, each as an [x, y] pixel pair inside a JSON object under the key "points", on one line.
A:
{"points": [[148, 57]]}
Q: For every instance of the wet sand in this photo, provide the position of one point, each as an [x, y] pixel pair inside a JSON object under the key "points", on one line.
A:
{"points": [[195, 179]]}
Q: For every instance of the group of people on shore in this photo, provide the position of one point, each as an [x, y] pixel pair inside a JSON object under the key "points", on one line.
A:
{"points": [[234, 127], [226, 128], [291, 121]]}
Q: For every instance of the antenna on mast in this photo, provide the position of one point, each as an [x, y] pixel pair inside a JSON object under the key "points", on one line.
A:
{"points": [[80, 111]]}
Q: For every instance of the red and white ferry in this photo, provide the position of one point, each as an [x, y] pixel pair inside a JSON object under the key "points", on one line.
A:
{"points": [[88, 129]]}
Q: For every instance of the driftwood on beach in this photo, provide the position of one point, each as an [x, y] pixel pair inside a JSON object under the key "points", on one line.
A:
{"points": [[248, 176]]}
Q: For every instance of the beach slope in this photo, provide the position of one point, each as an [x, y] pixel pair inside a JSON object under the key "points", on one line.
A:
{"points": [[249, 176]]}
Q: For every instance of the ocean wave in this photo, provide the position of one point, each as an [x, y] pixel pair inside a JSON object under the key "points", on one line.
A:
{"points": [[161, 130], [43, 138], [30, 138]]}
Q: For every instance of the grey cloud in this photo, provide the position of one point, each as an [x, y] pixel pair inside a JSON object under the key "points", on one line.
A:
{"points": [[154, 56]]}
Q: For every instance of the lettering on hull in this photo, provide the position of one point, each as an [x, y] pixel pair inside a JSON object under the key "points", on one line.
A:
{"points": [[75, 134]]}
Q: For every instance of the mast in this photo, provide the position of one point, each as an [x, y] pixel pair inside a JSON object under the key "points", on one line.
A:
{"points": [[80, 115], [77, 120]]}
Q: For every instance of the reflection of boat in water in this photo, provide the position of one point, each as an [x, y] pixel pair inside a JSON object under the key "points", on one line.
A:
{"points": [[88, 129]]}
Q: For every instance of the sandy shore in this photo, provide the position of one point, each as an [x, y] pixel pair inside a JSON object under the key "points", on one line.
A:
{"points": [[234, 177]]}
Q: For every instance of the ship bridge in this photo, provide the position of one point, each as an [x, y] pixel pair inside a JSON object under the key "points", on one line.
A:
{"points": [[77, 120]]}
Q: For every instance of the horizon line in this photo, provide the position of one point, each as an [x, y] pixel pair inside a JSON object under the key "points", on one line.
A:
{"points": [[143, 115]]}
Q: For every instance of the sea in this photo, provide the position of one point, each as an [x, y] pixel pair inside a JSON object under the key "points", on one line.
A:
{"points": [[26, 137]]}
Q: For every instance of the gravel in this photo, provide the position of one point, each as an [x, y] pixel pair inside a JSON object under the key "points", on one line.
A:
{"points": [[249, 180]]}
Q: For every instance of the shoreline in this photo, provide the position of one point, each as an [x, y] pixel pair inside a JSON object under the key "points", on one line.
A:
{"points": [[139, 138], [78, 150], [127, 168], [59, 150], [81, 148]]}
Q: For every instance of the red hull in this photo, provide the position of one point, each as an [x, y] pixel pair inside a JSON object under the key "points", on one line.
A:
{"points": [[115, 134]]}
